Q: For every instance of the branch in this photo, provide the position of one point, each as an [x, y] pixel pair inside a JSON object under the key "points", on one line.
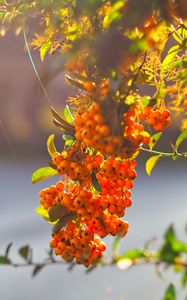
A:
{"points": [[168, 154]]}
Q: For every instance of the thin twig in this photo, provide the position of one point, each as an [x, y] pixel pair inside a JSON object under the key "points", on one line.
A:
{"points": [[168, 154]]}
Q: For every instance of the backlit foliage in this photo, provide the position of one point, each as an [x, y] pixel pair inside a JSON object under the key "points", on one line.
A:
{"points": [[127, 61]]}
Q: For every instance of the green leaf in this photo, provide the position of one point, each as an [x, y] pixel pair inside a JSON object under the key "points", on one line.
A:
{"points": [[179, 246], [42, 174], [44, 213], [167, 254], [170, 57], [4, 260], [148, 101], [170, 293], [151, 163], [170, 235], [180, 139], [172, 248], [132, 254], [96, 183], [69, 140], [154, 139], [184, 279], [177, 37], [50, 145], [68, 115], [25, 252], [174, 157]]}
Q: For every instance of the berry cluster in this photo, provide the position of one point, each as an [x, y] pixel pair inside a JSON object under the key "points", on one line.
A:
{"points": [[134, 130], [158, 119], [48, 195], [91, 128], [99, 173], [76, 163], [95, 214], [76, 243], [116, 178]]}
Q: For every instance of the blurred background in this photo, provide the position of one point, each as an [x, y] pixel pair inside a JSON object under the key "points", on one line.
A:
{"points": [[25, 124]]}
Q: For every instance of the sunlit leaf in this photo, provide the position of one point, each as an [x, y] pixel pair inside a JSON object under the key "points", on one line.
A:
{"points": [[43, 212], [50, 145], [44, 49], [154, 140], [42, 174], [68, 115], [151, 163], [132, 254], [169, 60], [179, 246], [181, 138], [69, 140], [177, 37]]}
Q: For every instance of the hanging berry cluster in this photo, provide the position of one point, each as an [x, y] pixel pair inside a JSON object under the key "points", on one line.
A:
{"points": [[98, 169]]}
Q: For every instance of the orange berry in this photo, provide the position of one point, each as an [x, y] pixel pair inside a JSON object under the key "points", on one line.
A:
{"points": [[109, 149], [127, 202], [104, 130], [90, 124], [159, 126], [63, 167], [78, 136], [60, 186], [166, 114], [89, 86], [98, 119]]}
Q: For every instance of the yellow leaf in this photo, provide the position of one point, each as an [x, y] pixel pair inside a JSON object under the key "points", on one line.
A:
{"points": [[44, 213], [154, 139], [42, 174], [50, 145], [151, 163]]}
